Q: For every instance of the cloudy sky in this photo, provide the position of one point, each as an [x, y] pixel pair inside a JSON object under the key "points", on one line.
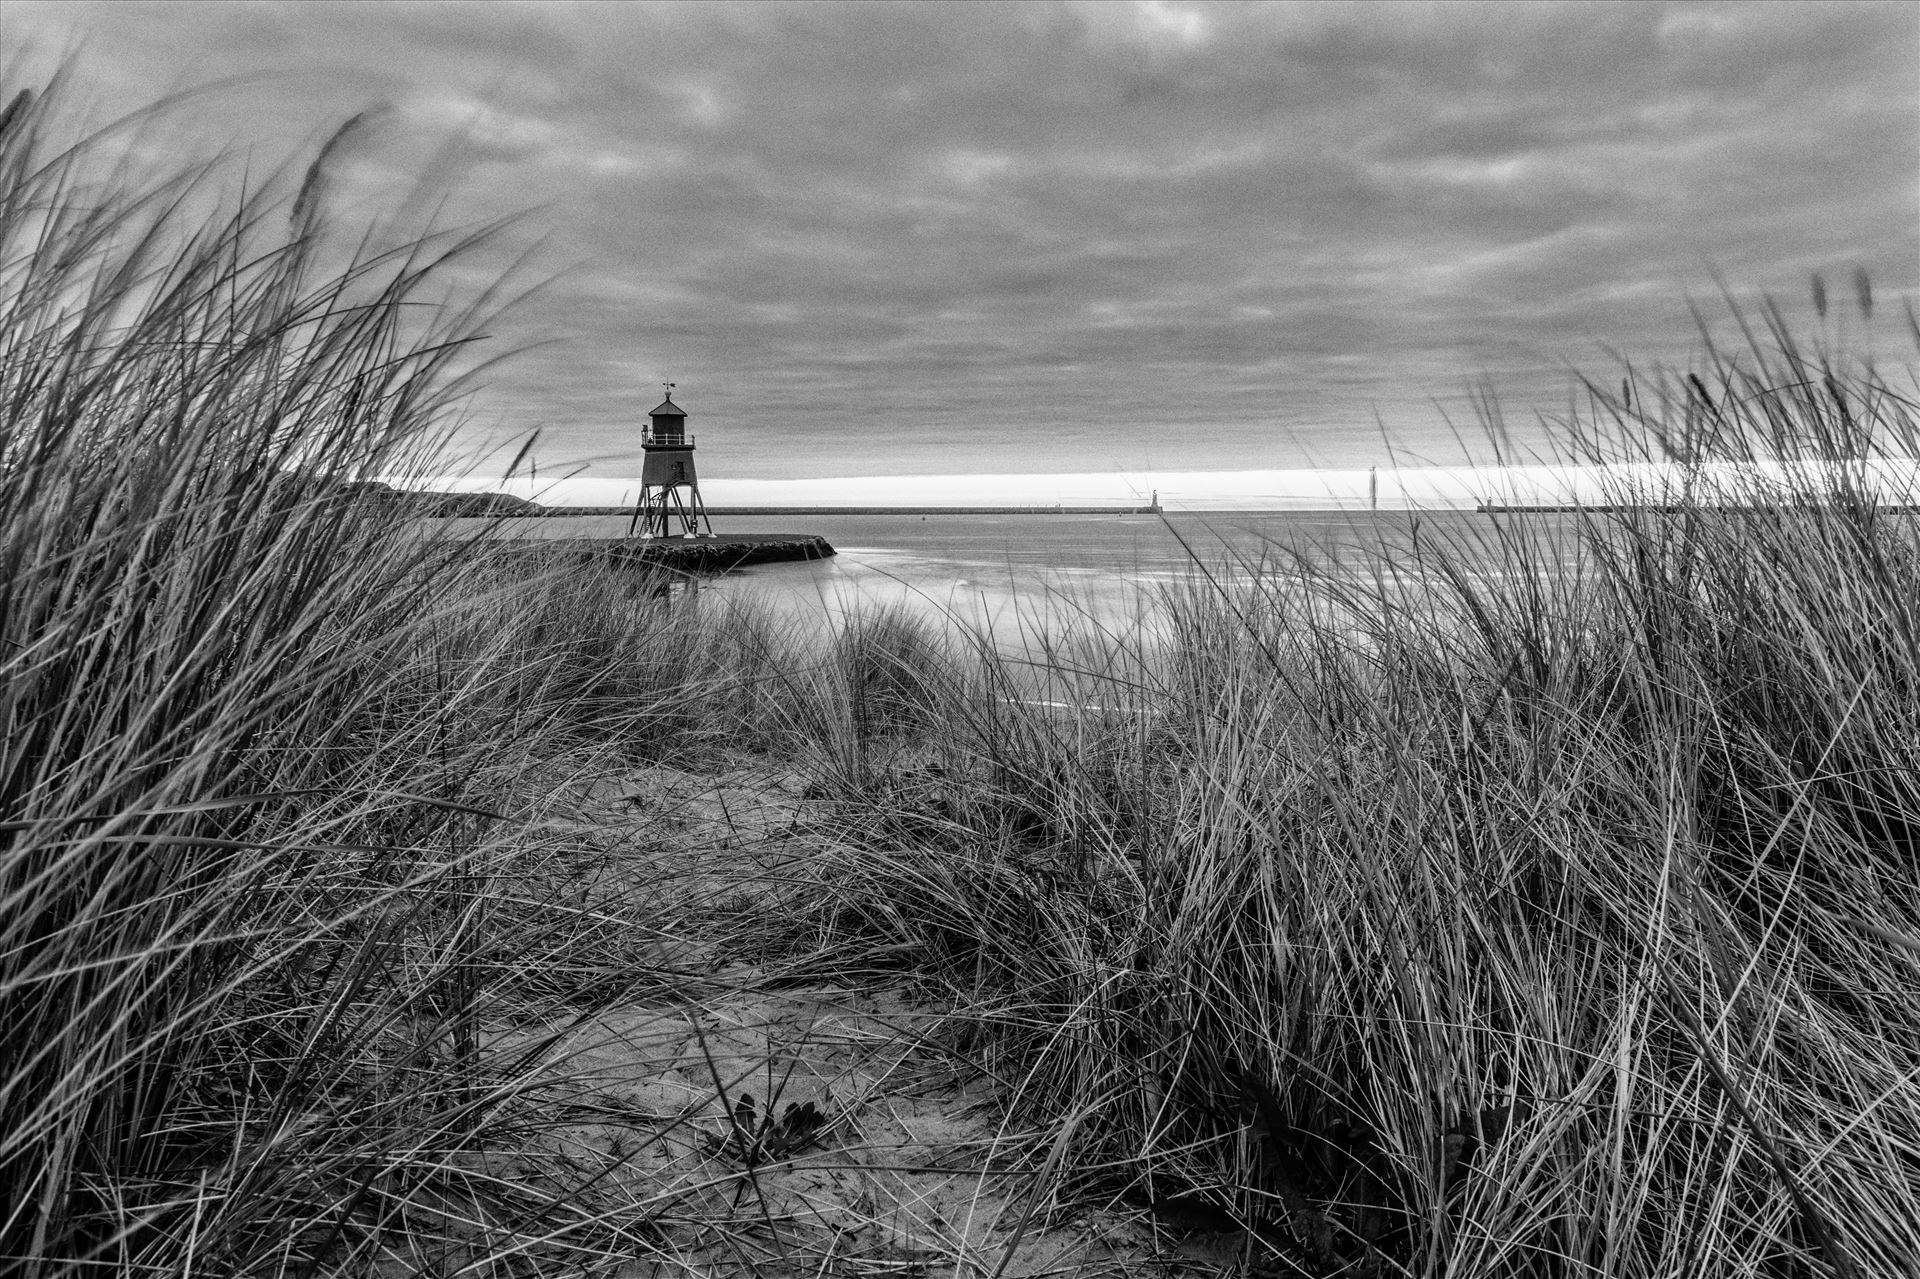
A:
{"points": [[876, 239]]}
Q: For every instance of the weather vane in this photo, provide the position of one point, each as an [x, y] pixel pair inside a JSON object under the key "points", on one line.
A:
{"points": [[669, 387]]}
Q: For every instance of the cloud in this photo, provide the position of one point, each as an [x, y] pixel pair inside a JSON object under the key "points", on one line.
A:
{"points": [[910, 238]]}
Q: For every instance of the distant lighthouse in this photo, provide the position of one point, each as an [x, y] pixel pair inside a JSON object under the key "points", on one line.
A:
{"points": [[669, 489]]}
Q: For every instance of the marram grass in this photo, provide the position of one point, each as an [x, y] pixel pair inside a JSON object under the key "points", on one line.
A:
{"points": [[270, 763], [1428, 921]]}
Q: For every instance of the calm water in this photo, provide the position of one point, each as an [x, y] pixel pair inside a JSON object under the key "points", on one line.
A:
{"points": [[1004, 570]]}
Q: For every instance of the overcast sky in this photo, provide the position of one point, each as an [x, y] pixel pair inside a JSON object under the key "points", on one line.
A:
{"points": [[886, 239]]}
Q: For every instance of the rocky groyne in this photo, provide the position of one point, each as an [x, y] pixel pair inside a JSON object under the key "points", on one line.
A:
{"points": [[723, 551], [701, 555]]}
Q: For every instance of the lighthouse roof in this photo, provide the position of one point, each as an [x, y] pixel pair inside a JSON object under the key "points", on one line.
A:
{"points": [[666, 408]]}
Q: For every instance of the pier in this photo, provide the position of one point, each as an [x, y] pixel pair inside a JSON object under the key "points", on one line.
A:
{"points": [[711, 553]]}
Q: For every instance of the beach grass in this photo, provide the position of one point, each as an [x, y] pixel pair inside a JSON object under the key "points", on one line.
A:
{"points": [[1421, 918], [276, 767], [1448, 913]]}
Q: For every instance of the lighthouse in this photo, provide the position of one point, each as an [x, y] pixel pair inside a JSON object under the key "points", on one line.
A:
{"points": [[669, 489]]}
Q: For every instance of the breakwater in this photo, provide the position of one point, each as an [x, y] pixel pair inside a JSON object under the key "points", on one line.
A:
{"points": [[715, 554]]}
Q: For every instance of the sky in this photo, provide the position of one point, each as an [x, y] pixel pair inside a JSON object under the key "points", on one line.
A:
{"points": [[1139, 239]]}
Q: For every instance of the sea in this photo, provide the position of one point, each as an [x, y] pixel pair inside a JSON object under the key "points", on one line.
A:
{"points": [[1009, 573]]}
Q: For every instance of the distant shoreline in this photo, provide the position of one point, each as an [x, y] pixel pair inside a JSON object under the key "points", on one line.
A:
{"points": [[745, 512], [1659, 508]]}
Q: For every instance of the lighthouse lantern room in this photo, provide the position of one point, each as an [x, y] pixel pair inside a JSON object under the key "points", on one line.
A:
{"points": [[669, 489]]}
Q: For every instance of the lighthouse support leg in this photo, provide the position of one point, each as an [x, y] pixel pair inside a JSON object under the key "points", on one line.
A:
{"points": [[667, 508]]}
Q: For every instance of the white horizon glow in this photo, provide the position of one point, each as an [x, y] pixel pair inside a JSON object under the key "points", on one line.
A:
{"points": [[1253, 490]]}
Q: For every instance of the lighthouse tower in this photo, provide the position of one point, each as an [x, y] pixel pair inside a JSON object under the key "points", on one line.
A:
{"points": [[669, 490]]}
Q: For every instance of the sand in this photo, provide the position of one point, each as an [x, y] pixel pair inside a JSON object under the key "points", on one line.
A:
{"points": [[744, 1116]]}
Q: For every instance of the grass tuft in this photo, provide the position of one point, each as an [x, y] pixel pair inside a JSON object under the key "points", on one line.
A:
{"points": [[1533, 902]]}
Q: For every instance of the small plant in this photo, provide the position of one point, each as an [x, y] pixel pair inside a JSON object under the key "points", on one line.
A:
{"points": [[759, 1135]]}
